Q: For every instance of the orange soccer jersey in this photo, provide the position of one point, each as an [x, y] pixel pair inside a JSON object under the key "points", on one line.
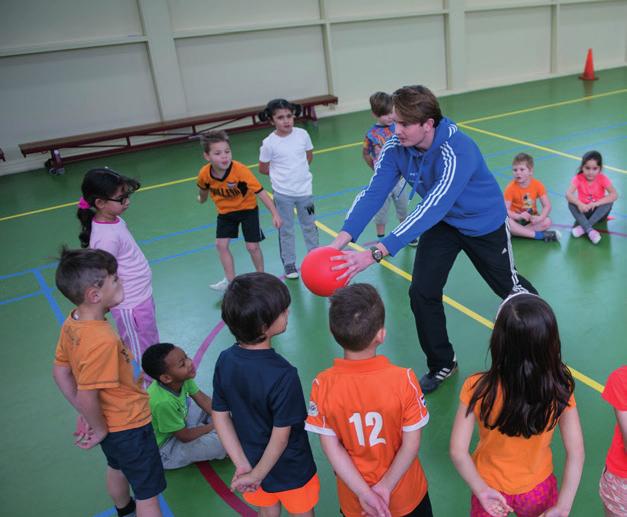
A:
{"points": [[237, 190], [524, 199], [348, 401]]}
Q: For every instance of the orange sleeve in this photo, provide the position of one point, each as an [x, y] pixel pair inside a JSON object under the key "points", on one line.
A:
{"points": [[415, 414], [508, 194], [99, 366], [467, 389], [60, 356], [316, 419], [540, 189], [252, 181]]}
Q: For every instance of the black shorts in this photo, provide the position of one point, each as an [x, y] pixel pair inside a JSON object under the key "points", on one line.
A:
{"points": [[228, 225], [136, 454]]}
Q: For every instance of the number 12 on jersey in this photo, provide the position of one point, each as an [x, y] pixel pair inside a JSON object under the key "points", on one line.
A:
{"points": [[374, 420]]}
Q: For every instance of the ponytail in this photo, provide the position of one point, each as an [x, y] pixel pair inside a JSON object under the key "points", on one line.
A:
{"points": [[98, 183], [277, 104]]}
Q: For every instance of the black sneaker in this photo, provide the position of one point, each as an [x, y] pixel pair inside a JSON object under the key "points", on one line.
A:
{"points": [[431, 380], [291, 271], [552, 236]]}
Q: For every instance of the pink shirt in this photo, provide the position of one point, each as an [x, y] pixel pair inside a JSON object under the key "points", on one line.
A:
{"points": [[133, 267], [593, 190]]}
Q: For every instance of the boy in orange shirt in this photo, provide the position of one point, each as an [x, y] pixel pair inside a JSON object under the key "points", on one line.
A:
{"points": [[100, 378], [234, 190], [521, 197], [370, 435]]}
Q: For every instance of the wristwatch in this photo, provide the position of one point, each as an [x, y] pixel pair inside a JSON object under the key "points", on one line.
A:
{"points": [[377, 254]]}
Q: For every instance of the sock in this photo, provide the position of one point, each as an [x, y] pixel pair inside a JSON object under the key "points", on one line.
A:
{"points": [[127, 510], [539, 236]]}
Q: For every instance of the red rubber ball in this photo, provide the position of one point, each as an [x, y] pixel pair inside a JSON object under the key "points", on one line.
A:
{"points": [[316, 271]]}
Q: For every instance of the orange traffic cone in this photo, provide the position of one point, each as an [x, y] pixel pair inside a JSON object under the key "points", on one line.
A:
{"points": [[588, 70]]}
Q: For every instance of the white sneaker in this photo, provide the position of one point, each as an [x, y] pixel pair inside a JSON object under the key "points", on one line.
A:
{"points": [[291, 271], [577, 232], [220, 286], [594, 236]]}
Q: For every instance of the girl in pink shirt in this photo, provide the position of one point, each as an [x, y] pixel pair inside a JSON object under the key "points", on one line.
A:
{"points": [[590, 196], [106, 195]]}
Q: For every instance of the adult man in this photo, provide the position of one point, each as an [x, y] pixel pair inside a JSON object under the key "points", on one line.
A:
{"points": [[462, 208]]}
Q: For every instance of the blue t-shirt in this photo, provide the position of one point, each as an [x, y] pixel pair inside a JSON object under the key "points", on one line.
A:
{"points": [[261, 390]]}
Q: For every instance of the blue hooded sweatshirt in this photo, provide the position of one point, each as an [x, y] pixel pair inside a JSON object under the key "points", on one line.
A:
{"points": [[452, 179]]}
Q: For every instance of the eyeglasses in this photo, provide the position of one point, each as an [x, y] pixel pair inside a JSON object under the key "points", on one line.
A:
{"points": [[122, 199]]}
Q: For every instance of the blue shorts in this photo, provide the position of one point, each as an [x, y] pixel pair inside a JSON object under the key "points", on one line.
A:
{"points": [[136, 454]]}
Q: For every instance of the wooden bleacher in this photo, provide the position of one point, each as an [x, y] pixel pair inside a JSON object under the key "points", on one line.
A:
{"points": [[172, 131]]}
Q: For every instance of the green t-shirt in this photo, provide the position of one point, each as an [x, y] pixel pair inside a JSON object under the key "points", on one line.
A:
{"points": [[168, 409]]}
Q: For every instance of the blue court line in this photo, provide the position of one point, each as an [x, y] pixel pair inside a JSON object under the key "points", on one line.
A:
{"points": [[47, 291], [165, 509], [18, 298]]}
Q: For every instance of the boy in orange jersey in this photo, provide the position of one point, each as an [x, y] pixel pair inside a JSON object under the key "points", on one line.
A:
{"points": [[370, 435], [100, 378], [234, 190], [521, 197]]}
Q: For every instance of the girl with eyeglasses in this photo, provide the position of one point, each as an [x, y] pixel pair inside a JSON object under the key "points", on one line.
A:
{"points": [[106, 196]]}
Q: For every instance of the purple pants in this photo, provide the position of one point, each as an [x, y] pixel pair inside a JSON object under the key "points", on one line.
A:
{"points": [[137, 327], [530, 504]]}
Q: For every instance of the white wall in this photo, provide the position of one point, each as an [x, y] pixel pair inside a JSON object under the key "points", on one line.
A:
{"points": [[74, 66]]}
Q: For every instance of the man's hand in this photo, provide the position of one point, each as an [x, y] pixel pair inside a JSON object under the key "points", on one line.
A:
{"points": [[349, 263]]}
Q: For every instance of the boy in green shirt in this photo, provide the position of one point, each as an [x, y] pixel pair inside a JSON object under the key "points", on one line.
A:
{"points": [[183, 430]]}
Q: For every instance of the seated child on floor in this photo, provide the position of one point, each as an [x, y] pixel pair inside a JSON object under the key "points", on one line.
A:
{"points": [[521, 197], [183, 430]]}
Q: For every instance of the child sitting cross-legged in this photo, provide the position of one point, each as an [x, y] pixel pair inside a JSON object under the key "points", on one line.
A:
{"points": [[370, 435], [184, 431]]}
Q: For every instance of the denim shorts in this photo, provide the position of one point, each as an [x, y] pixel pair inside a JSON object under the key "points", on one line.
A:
{"points": [[136, 454]]}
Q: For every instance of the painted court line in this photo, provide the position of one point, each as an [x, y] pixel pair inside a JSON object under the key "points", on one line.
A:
{"points": [[534, 146], [456, 305], [223, 491]]}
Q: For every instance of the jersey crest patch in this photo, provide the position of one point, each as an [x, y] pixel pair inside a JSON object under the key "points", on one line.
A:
{"points": [[313, 409]]}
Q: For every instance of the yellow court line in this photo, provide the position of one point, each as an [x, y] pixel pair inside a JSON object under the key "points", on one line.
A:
{"points": [[534, 146], [545, 106], [456, 305]]}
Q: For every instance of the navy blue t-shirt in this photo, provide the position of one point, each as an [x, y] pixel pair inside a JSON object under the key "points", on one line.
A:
{"points": [[262, 390]]}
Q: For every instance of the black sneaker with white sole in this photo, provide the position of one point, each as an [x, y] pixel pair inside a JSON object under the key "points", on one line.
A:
{"points": [[430, 381]]}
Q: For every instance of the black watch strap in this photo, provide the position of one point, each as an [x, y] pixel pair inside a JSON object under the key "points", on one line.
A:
{"points": [[377, 254]]}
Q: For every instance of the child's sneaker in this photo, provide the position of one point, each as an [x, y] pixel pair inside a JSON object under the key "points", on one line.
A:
{"points": [[291, 271], [413, 243], [431, 380], [552, 235], [220, 286], [594, 236], [577, 232]]}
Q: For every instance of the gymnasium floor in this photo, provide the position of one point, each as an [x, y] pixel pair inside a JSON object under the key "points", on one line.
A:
{"points": [[42, 473]]}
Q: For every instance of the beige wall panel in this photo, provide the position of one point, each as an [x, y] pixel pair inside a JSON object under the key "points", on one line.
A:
{"points": [[37, 22], [200, 14], [507, 46], [235, 71], [471, 4], [602, 27], [356, 8], [76, 92], [388, 54]]}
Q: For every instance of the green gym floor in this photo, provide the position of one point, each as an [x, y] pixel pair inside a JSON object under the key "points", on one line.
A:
{"points": [[43, 474]]}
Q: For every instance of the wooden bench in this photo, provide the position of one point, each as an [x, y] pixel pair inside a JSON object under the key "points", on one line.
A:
{"points": [[172, 131]]}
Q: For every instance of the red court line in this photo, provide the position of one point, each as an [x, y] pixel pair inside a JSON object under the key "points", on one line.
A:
{"points": [[223, 491], [205, 344]]}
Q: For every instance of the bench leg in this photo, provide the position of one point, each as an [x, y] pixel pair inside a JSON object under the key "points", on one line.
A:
{"points": [[55, 164]]}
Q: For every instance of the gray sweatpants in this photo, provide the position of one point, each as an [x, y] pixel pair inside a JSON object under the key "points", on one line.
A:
{"points": [[304, 206], [400, 197], [176, 454], [589, 219]]}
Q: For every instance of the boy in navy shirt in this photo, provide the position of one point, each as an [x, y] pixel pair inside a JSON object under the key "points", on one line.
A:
{"points": [[258, 404]]}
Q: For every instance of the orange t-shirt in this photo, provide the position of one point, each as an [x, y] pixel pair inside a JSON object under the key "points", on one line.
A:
{"points": [[347, 401], [237, 190], [510, 464], [99, 361], [524, 199]]}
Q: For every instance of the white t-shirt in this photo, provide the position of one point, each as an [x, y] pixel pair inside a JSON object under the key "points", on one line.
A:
{"points": [[289, 169], [133, 267]]}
